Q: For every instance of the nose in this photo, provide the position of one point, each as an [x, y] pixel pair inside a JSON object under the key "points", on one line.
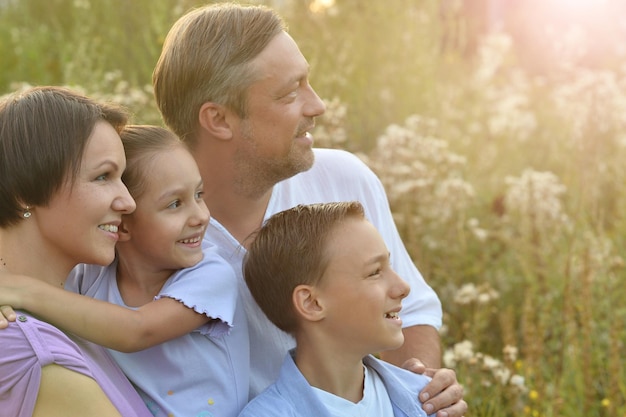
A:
{"points": [[201, 214], [401, 288], [123, 201], [315, 105]]}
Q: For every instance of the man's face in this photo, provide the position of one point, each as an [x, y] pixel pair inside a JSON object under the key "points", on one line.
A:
{"points": [[274, 142]]}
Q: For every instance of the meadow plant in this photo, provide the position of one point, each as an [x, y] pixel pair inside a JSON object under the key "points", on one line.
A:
{"points": [[507, 180], [330, 130], [422, 176]]}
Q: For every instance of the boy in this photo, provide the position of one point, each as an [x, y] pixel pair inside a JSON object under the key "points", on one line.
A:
{"points": [[321, 272]]}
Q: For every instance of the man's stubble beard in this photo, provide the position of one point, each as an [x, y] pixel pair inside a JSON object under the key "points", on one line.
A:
{"points": [[256, 174]]}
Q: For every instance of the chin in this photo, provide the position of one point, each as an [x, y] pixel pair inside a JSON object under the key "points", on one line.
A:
{"points": [[305, 161], [189, 262], [103, 260]]}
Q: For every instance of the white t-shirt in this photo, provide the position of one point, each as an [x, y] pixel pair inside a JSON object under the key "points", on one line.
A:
{"points": [[375, 401], [335, 176]]}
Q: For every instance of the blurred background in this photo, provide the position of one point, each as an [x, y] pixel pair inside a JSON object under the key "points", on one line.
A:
{"points": [[498, 128]]}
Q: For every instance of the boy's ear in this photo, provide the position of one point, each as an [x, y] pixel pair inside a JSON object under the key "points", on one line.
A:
{"points": [[307, 303], [213, 118], [123, 232]]}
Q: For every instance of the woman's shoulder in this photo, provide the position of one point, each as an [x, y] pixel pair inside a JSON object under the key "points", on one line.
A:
{"points": [[29, 339], [29, 344]]}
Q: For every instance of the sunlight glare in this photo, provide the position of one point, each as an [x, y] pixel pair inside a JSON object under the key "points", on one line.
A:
{"points": [[320, 6]]}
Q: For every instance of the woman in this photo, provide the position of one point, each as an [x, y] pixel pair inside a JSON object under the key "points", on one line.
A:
{"points": [[61, 201]]}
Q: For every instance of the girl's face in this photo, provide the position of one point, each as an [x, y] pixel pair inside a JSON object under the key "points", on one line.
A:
{"points": [[166, 230], [80, 224]]}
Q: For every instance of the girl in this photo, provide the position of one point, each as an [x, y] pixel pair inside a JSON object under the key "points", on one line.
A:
{"points": [[185, 340]]}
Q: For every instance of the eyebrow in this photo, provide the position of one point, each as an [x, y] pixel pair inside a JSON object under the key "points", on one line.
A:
{"points": [[379, 258], [299, 76], [104, 164], [177, 190]]}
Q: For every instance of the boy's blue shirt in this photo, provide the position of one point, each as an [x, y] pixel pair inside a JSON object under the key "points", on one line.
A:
{"points": [[292, 396]]}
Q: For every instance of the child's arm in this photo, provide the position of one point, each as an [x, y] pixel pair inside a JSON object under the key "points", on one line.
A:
{"points": [[104, 323]]}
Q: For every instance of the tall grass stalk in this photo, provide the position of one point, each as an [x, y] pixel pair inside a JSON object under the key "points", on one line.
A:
{"points": [[506, 177]]}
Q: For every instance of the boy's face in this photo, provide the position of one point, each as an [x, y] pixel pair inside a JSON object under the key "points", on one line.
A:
{"points": [[360, 291]]}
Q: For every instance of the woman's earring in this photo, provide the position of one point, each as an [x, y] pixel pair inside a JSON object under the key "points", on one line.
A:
{"points": [[27, 212]]}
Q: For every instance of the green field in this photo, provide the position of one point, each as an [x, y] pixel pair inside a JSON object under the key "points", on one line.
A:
{"points": [[503, 154]]}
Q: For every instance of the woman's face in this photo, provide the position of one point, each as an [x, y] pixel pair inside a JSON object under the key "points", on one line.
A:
{"points": [[80, 222]]}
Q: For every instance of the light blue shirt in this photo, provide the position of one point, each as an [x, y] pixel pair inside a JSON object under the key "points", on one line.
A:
{"points": [[202, 373], [292, 396], [335, 176]]}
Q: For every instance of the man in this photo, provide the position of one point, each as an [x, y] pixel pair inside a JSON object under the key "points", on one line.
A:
{"points": [[234, 86]]}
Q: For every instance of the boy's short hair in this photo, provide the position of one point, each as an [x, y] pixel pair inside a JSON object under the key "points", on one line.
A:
{"points": [[289, 250]]}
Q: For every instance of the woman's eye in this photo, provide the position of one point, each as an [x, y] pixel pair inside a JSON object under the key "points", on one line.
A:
{"points": [[102, 177]]}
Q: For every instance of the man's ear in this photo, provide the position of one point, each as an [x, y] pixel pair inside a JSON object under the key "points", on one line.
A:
{"points": [[212, 118], [307, 303], [123, 231]]}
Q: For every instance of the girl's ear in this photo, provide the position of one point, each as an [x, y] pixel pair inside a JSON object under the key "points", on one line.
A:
{"points": [[307, 303], [123, 231], [213, 119]]}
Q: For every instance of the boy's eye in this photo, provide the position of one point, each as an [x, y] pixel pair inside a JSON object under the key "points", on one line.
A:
{"points": [[377, 272]]}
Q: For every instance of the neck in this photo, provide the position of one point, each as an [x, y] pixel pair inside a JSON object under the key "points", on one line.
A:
{"points": [[239, 205], [22, 253], [138, 282], [339, 372], [240, 216]]}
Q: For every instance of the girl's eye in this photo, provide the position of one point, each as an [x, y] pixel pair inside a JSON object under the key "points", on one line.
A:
{"points": [[174, 204], [199, 195]]}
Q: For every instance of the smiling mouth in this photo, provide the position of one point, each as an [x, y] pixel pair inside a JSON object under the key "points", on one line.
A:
{"points": [[392, 315], [190, 240], [108, 228]]}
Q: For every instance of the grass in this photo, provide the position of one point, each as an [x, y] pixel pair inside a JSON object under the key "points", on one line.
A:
{"points": [[506, 177]]}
